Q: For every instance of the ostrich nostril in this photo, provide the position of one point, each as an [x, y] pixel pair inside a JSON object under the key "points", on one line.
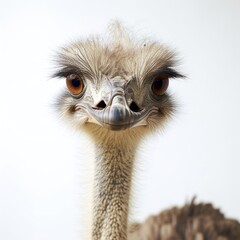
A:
{"points": [[101, 105], [134, 107]]}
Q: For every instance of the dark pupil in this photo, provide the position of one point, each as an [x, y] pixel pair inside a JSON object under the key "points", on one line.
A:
{"points": [[158, 84], [75, 82]]}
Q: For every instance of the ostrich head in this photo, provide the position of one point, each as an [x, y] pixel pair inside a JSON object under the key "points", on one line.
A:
{"points": [[116, 90], [116, 86]]}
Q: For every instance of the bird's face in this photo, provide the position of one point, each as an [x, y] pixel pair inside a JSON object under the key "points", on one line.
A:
{"points": [[116, 86], [117, 103]]}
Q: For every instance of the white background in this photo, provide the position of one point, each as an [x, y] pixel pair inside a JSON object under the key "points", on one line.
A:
{"points": [[41, 159]]}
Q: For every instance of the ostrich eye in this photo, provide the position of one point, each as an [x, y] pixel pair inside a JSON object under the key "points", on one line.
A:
{"points": [[74, 84], [160, 85]]}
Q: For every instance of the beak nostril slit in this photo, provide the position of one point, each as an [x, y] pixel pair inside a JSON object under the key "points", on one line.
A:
{"points": [[101, 105], [134, 107]]}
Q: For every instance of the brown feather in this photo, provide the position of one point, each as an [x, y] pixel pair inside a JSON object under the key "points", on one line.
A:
{"points": [[191, 222]]}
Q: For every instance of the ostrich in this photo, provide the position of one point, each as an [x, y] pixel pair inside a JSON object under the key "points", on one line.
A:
{"points": [[116, 92]]}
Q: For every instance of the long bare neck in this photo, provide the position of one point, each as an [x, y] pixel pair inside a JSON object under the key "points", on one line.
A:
{"points": [[112, 183]]}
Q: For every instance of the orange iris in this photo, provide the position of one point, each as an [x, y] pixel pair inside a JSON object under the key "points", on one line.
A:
{"points": [[74, 84], [160, 85]]}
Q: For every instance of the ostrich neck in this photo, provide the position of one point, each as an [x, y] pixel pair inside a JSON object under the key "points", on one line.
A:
{"points": [[112, 183]]}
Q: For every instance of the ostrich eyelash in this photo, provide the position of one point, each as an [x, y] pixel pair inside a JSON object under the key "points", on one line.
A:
{"points": [[170, 72], [64, 72]]}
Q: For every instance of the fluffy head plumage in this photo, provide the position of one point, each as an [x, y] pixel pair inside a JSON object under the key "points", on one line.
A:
{"points": [[118, 56]]}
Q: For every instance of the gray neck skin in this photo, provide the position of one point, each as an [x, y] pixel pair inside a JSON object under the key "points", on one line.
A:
{"points": [[112, 183]]}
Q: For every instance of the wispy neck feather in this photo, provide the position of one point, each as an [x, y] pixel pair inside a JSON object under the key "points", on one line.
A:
{"points": [[112, 185]]}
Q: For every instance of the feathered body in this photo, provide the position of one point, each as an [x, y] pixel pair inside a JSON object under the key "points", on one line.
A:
{"points": [[191, 222], [117, 93]]}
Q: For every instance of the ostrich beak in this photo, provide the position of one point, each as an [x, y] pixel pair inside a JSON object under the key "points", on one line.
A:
{"points": [[117, 114]]}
